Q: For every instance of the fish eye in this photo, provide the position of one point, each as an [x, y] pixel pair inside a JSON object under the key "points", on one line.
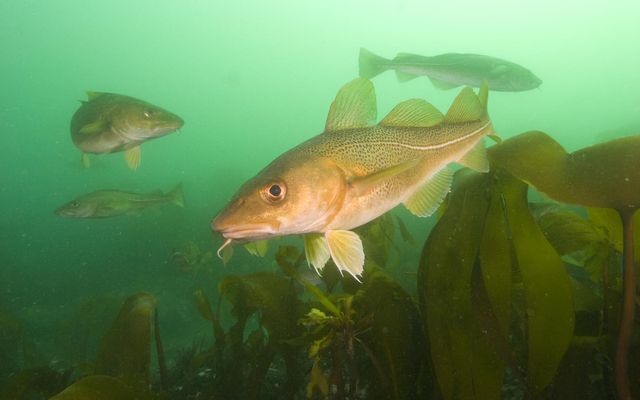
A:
{"points": [[74, 204], [274, 192], [149, 113]]}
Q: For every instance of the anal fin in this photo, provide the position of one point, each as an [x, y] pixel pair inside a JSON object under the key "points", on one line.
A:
{"points": [[346, 251], [132, 156], [404, 76], [425, 201], [442, 85], [476, 158]]}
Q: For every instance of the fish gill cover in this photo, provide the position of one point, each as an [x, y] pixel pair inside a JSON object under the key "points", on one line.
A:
{"points": [[521, 284]]}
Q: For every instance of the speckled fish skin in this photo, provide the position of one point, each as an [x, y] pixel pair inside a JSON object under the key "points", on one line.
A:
{"points": [[362, 152], [122, 122]]}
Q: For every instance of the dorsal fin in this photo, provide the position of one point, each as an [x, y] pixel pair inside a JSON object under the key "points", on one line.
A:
{"points": [[93, 95], [404, 76], [353, 107], [414, 112], [465, 108]]}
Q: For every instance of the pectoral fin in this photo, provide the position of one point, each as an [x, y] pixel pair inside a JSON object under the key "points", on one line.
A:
{"points": [[94, 127], [316, 250], [258, 248], [366, 182], [346, 251], [353, 107], [132, 156], [425, 201], [476, 158]]}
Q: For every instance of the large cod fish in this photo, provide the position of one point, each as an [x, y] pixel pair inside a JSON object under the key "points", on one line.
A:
{"points": [[109, 122], [447, 71], [354, 172]]}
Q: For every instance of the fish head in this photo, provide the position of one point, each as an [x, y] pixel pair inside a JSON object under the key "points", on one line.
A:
{"points": [[139, 120], [288, 197], [78, 208], [514, 79]]}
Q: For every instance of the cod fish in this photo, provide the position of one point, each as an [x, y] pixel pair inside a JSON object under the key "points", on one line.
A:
{"points": [[108, 123], [355, 171], [451, 70], [111, 203]]}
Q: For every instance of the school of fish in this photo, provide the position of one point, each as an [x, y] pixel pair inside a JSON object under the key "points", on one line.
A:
{"points": [[353, 172]]}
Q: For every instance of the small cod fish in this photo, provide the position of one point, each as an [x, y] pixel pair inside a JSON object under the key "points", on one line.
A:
{"points": [[452, 70], [109, 122], [111, 203], [354, 172]]}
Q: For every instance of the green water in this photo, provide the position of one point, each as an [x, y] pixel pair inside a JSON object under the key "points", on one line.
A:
{"points": [[251, 79]]}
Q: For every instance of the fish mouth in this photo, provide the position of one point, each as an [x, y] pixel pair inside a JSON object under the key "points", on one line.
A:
{"points": [[247, 232], [242, 234]]}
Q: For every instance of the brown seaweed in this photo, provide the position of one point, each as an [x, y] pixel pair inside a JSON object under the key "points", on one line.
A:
{"points": [[605, 175], [486, 240]]}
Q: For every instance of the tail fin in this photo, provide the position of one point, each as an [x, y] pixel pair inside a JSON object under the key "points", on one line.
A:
{"points": [[372, 64], [177, 195]]}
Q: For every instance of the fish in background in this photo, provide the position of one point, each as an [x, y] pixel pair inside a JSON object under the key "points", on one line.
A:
{"points": [[356, 171], [108, 122], [111, 203], [452, 70]]}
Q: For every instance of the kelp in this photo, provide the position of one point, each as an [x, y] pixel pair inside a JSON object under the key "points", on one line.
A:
{"points": [[103, 387], [78, 336], [125, 351], [121, 368], [243, 354], [11, 339], [573, 235], [485, 241], [370, 342], [605, 175], [395, 339], [41, 382]]}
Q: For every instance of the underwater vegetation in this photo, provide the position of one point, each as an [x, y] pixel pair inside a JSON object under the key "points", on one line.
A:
{"points": [[515, 300], [512, 299]]}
